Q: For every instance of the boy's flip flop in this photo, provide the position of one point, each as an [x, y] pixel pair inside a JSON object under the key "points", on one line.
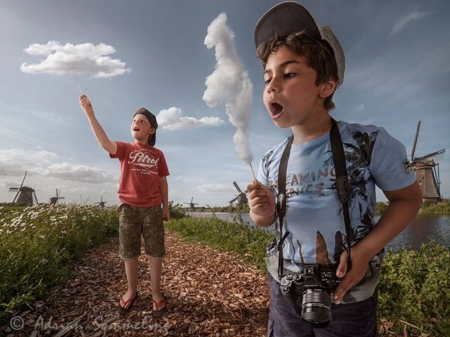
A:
{"points": [[123, 309], [160, 308]]}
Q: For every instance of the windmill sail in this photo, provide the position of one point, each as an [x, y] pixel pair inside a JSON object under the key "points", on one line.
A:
{"points": [[426, 169]]}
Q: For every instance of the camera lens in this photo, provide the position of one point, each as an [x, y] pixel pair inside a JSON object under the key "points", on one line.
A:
{"points": [[316, 308]]}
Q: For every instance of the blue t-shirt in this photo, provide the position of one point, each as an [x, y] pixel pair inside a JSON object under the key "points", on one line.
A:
{"points": [[314, 215]]}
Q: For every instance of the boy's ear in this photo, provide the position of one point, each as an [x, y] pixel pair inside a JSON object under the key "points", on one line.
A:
{"points": [[328, 88]]}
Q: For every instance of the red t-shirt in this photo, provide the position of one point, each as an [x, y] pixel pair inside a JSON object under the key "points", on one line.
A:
{"points": [[141, 167]]}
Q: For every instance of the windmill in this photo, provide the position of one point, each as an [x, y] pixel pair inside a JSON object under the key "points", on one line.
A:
{"points": [[25, 195], [54, 200], [241, 198], [101, 203], [191, 204], [426, 169]]}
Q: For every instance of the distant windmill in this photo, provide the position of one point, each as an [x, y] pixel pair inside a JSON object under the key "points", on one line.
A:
{"points": [[241, 198], [54, 200], [101, 203], [25, 196], [191, 204], [426, 169]]}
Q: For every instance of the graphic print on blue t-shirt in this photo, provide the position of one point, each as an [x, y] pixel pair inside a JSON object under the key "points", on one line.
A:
{"points": [[314, 216]]}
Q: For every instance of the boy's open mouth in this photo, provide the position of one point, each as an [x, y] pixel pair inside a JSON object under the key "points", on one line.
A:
{"points": [[136, 129], [275, 108]]}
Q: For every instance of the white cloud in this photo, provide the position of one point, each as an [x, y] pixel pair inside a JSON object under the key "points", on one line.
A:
{"points": [[358, 108], [229, 83], [15, 162], [80, 173], [214, 188], [74, 59], [404, 21], [172, 119]]}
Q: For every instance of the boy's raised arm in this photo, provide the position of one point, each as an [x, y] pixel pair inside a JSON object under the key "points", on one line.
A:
{"points": [[97, 129]]}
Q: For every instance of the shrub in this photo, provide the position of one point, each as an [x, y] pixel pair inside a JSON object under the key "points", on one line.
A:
{"points": [[415, 288]]}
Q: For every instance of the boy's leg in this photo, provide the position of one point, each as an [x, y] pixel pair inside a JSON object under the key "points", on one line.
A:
{"points": [[284, 317], [155, 278], [129, 248], [131, 270], [353, 319], [153, 231]]}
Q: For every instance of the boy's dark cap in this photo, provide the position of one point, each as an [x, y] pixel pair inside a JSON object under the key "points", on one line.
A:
{"points": [[291, 17], [152, 119]]}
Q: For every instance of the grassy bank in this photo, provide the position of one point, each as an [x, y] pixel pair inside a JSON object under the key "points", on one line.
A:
{"points": [[37, 245], [440, 208]]}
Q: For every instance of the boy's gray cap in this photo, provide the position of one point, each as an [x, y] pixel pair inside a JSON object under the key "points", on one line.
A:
{"points": [[290, 17], [152, 119]]}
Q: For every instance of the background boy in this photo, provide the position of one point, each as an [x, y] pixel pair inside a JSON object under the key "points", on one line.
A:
{"points": [[142, 189], [303, 65]]}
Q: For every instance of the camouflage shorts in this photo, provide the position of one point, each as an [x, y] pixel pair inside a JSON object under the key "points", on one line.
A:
{"points": [[134, 221]]}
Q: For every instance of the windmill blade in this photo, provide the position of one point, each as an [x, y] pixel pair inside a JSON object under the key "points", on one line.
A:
{"points": [[35, 198], [434, 154], [415, 140], [13, 189], [23, 180], [18, 189], [233, 200], [237, 187]]}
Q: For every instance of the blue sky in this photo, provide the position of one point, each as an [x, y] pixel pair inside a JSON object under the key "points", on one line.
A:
{"points": [[397, 73]]}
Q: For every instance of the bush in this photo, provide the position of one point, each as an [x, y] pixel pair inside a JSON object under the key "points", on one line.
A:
{"points": [[415, 288]]}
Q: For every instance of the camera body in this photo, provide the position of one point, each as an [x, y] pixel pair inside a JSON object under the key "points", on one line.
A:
{"points": [[315, 285]]}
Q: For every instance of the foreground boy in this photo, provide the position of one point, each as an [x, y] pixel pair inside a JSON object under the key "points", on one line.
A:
{"points": [[303, 65], [142, 189]]}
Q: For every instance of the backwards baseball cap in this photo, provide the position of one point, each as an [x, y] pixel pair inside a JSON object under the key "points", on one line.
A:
{"points": [[152, 119], [291, 17]]}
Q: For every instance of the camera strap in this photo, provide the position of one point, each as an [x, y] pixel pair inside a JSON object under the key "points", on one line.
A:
{"points": [[342, 187]]}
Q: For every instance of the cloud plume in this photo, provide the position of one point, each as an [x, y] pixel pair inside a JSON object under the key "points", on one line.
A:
{"points": [[229, 84], [87, 58]]}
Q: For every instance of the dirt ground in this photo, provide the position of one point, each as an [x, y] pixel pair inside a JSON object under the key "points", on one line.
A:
{"points": [[208, 293]]}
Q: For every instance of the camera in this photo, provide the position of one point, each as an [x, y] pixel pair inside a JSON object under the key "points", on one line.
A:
{"points": [[315, 285]]}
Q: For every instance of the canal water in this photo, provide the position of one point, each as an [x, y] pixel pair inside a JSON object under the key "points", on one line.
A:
{"points": [[423, 229]]}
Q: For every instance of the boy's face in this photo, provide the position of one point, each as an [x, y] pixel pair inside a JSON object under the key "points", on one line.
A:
{"points": [[141, 129], [291, 96]]}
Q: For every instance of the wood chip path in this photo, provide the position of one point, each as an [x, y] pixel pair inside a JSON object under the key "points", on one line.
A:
{"points": [[208, 293]]}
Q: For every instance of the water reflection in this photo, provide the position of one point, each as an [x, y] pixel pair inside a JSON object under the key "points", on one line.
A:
{"points": [[423, 229]]}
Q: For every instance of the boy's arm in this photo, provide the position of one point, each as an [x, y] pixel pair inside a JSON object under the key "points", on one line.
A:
{"points": [[403, 207], [97, 129], [164, 188]]}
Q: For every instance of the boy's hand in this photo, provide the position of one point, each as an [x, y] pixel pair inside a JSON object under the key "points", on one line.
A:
{"points": [[360, 263], [86, 105], [261, 200], [166, 214]]}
